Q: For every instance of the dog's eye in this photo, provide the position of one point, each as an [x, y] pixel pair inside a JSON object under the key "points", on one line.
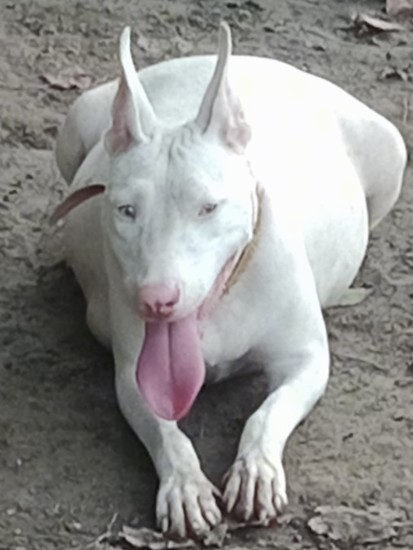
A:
{"points": [[207, 209], [127, 211]]}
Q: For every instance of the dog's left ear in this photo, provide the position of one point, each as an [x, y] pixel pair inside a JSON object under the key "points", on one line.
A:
{"points": [[221, 113], [75, 199]]}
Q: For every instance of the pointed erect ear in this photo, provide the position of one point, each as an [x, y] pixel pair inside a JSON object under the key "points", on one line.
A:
{"points": [[133, 119], [74, 199], [221, 110]]}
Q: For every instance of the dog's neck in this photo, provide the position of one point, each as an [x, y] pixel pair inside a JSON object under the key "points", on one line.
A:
{"points": [[248, 252]]}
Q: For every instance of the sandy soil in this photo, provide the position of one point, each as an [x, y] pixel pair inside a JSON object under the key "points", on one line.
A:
{"points": [[68, 461]]}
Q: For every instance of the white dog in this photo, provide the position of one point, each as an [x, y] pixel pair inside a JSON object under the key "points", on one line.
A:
{"points": [[233, 201]]}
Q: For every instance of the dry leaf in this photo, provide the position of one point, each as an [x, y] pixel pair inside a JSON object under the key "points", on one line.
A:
{"points": [[397, 7], [149, 539], [319, 526], [142, 42], [72, 78], [152, 47], [216, 536], [394, 72], [375, 24], [250, 4], [145, 538], [351, 525], [352, 297], [183, 46]]}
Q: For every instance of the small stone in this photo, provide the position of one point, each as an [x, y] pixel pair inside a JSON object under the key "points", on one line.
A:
{"points": [[74, 526]]}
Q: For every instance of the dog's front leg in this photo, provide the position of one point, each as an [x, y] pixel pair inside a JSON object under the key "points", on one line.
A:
{"points": [[255, 485], [186, 499], [296, 356]]}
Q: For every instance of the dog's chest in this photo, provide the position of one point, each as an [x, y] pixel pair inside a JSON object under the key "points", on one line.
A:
{"points": [[232, 330]]}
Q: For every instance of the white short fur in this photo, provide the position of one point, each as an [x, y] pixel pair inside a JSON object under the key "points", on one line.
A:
{"points": [[330, 168]]}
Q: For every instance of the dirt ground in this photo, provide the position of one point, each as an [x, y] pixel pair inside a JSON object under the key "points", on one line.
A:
{"points": [[68, 461]]}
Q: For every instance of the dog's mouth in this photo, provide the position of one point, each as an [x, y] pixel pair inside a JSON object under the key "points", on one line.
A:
{"points": [[171, 369]]}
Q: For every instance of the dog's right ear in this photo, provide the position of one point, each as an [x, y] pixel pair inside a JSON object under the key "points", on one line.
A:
{"points": [[133, 118], [74, 199]]}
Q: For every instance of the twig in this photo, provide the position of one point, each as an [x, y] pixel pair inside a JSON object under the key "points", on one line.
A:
{"points": [[406, 109], [106, 535]]}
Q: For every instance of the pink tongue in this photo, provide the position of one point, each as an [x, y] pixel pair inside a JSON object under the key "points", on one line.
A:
{"points": [[170, 369]]}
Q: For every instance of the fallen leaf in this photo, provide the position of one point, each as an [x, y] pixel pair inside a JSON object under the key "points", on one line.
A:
{"points": [[352, 297], [142, 42], [375, 24], [394, 72], [183, 46], [145, 538], [319, 526], [148, 539], [68, 79], [351, 525], [250, 4], [397, 7], [149, 46], [216, 536]]}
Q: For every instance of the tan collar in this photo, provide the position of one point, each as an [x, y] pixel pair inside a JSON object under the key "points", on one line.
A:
{"points": [[248, 252]]}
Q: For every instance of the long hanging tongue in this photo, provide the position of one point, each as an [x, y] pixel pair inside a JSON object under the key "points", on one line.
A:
{"points": [[170, 368]]}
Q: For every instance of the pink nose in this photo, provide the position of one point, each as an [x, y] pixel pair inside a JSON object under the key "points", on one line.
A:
{"points": [[158, 301]]}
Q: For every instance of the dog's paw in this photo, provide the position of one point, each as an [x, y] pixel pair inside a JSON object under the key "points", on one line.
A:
{"points": [[186, 505], [255, 489]]}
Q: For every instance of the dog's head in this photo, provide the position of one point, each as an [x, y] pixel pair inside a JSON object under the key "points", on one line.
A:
{"points": [[180, 206]]}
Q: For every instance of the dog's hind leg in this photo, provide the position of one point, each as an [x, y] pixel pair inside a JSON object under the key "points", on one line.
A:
{"points": [[88, 118], [379, 155]]}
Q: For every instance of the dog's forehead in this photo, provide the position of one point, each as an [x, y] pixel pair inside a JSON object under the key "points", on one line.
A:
{"points": [[174, 163], [194, 161], [144, 163]]}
